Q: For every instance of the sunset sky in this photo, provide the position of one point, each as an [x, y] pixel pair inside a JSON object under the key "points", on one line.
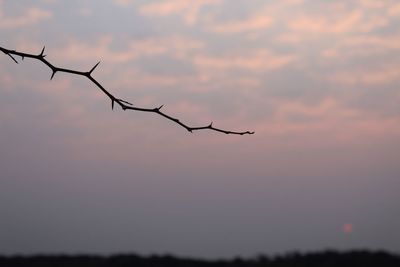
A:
{"points": [[318, 81]]}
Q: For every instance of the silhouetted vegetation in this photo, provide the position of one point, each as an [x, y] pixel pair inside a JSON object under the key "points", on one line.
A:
{"points": [[320, 259]]}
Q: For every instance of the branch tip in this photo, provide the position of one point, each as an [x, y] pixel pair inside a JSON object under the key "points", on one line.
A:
{"points": [[95, 66], [42, 53], [13, 58], [52, 75], [158, 109]]}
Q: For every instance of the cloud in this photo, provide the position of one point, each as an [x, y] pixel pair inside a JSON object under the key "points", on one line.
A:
{"points": [[135, 78], [30, 16], [377, 76], [354, 21], [123, 3], [372, 43], [188, 10], [299, 112], [371, 48], [394, 10], [251, 24], [175, 46], [331, 22], [258, 61], [261, 18], [329, 121]]}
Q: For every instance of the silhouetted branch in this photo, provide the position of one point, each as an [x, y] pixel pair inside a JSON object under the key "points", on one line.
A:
{"points": [[125, 105]]}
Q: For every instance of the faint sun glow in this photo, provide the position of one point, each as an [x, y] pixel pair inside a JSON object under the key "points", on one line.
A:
{"points": [[347, 228]]}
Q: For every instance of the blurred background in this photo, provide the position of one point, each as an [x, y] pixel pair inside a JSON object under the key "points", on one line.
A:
{"points": [[318, 81]]}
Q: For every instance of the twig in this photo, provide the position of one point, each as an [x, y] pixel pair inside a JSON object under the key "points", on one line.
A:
{"points": [[125, 105]]}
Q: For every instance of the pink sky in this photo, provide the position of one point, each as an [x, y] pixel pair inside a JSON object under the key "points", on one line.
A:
{"points": [[316, 80]]}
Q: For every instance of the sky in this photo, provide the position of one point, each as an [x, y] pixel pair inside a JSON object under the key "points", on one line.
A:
{"points": [[318, 82]]}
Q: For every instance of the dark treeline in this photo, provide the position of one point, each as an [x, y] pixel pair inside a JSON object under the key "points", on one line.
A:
{"points": [[320, 259]]}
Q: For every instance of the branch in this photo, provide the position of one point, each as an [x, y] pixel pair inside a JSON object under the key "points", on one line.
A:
{"points": [[125, 105]]}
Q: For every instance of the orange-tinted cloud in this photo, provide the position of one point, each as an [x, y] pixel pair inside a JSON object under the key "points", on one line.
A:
{"points": [[394, 10], [188, 10], [100, 49], [123, 3], [335, 21], [28, 17], [353, 21], [371, 76], [258, 61], [255, 23]]}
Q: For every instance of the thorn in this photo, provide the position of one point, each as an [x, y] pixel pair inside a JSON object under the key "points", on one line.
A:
{"points": [[42, 53], [52, 75], [12, 58], [112, 104], [95, 66], [126, 102], [210, 126], [22, 57], [158, 109]]}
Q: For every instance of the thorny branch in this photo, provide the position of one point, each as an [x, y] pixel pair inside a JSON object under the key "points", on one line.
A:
{"points": [[125, 105]]}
